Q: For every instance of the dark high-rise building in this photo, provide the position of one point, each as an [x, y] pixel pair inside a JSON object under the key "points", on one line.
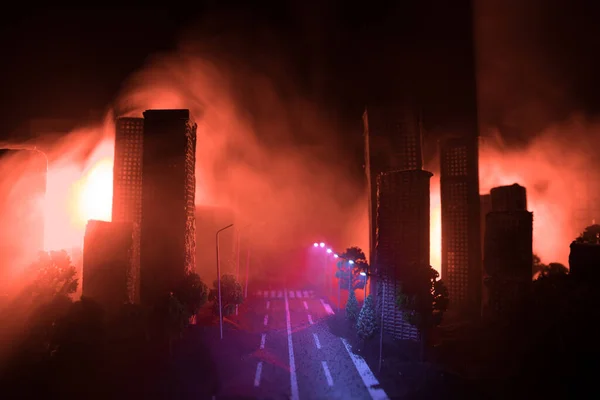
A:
{"points": [[127, 185], [392, 143], [402, 241], [584, 257], [22, 196], [485, 207], [509, 198], [461, 225], [168, 227], [508, 250], [107, 263]]}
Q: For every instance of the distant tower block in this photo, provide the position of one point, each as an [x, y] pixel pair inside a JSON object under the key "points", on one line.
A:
{"points": [[461, 225], [168, 228], [393, 142], [402, 241], [509, 198], [127, 186]]}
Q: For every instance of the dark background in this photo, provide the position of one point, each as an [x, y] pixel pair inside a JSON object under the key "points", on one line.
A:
{"points": [[536, 61]]}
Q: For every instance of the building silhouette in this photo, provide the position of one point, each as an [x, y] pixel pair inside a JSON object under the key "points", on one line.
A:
{"points": [[402, 241], [461, 226], [485, 207], [168, 225], [584, 257], [392, 143], [508, 250], [22, 195], [127, 185], [107, 263]]}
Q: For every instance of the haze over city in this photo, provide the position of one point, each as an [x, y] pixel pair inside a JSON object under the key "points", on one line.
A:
{"points": [[274, 133]]}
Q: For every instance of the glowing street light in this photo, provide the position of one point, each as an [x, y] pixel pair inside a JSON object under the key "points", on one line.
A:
{"points": [[315, 244], [329, 251], [363, 273], [335, 256], [350, 262], [321, 244]]}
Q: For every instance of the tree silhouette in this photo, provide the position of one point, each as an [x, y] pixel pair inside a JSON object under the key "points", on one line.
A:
{"points": [[192, 293], [352, 308], [423, 300], [53, 275], [347, 270], [366, 325], [231, 295], [538, 265], [590, 234], [552, 270]]}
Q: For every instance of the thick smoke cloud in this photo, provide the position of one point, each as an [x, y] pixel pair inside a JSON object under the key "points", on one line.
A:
{"points": [[533, 133], [263, 150]]}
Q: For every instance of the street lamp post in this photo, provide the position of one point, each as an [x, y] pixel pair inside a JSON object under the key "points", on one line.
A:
{"points": [[364, 275], [219, 279]]}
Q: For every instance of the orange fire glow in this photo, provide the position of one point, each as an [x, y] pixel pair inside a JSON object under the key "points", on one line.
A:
{"points": [[77, 193]]}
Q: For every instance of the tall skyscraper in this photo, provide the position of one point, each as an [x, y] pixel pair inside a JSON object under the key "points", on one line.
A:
{"points": [[485, 207], [402, 240], [168, 227], [23, 176], [107, 263], [508, 249], [392, 143], [127, 186], [461, 226]]}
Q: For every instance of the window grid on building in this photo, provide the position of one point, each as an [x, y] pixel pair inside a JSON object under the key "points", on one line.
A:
{"points": [[127, 185]]}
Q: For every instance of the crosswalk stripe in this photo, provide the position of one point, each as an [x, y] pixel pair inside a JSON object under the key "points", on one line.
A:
{"points": [[291, 293]]}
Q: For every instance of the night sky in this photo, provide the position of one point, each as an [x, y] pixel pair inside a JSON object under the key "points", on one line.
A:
{"points": [[537, 59]]}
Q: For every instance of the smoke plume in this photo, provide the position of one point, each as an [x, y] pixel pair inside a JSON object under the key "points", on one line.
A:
{"points": [[264, 152]]}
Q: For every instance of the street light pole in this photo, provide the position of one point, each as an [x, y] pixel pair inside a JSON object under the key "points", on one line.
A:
{"points": [[247, 271], [219, 279]]}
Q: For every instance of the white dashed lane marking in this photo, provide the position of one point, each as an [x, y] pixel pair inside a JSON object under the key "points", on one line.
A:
{"points": [[317, 341], [258, 373], [327, 373], [263, 338]]}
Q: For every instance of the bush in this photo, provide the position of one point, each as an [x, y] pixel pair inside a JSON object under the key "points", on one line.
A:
{"points": [[366, 326], [352, 308], [231, 295]]}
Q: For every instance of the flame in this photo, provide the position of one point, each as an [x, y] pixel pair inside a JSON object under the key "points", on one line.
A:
{"points": [[76, 194]]}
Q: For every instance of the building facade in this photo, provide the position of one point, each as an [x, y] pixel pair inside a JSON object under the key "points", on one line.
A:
{"points": [[461, 225], [22, 196], [508, 250], [168, 225], [127, 185], [392, 143], [402, 241], [107, 263]]}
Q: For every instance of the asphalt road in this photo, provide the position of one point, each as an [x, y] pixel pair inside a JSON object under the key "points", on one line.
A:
{"points": [[287, 352]]}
